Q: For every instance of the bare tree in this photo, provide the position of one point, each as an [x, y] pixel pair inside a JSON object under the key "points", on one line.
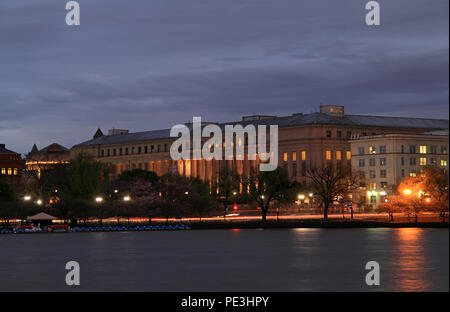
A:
{"points": [[331, 184]]}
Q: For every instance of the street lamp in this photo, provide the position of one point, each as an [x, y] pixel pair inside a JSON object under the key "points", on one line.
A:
{"points": [[27, 198], [407, 192], [98, 199], [126, 198], [39, 202], [301, 197]]}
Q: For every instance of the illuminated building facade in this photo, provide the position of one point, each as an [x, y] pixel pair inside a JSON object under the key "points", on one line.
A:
{"points": [[11, 166], [304, 140], [37, 160], [385, 160]]}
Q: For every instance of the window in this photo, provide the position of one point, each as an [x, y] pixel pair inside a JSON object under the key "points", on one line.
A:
{"points": [[383, 161], [403, 149], [412, 174], [120, 151], [383, 184], [145, 149], [102, 153], [339, 134], [152, 149], [139, 150], [372, 174], [402, 161], [423, 149], [159, 148], [444, 150], [382, 173], [126, 150], [132, 150], [433, 149], [165, 147], [364, 133], [362, 163], [9, 171], [328, 133], [412, 149], [15, 171], [372, 162], [285, 158], [361, 150], [433, 161], [349, 134], [303, 155], [114, 152], [373, 199], [328, 155], [338, 155], [423, 161], [294, 169], [108, 152], [373, 185], [303, 168], [362, 174], [294, 156], [3, 171], [383, 149], [403, 173], [372, 150], [412, 161], [443, 162], [349, 155]]}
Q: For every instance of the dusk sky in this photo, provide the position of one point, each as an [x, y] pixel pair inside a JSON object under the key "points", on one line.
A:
{"points": [[143, 65]]}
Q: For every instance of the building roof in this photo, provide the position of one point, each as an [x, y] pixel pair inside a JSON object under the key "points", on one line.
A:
{"points": [[4, 150], [41, 216], [52, 148], [289, 121]]}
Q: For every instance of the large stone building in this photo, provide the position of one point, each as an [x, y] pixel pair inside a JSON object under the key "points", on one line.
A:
{"points": [[385, 160], [305, 140], [11, 166]]}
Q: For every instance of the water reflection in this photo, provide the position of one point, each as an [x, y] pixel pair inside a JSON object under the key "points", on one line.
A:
{"points": [[409, 271]]}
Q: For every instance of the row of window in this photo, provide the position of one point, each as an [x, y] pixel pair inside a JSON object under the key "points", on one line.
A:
{"points": [[412, 148], [372, 174], [127, 151], [328, 155], [9, 171], [339, 134]]}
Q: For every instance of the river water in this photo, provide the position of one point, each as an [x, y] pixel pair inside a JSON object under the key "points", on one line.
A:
{"points": [[410, 259]]}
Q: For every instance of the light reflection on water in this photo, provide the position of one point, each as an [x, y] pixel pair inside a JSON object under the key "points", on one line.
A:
{"points": [[229, 260]]}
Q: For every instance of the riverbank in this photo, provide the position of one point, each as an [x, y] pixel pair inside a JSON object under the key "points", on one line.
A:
{"points": [[312, 224]]}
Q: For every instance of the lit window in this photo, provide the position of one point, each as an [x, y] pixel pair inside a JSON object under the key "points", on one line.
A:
{"points": [[412, 174], [423, 161], [303, 155], [3, 171], [443, 162], [373, 185], [382, 173], [349, 155], [382, 161], [9, 171], [294, 156], [382, 149], [423, 149], [338, 155], [372, 174], [285, 156], [15, 171], [328, 155], [372, 150]]}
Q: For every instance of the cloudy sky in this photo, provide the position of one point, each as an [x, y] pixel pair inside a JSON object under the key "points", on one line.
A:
{"points": [[149, 64]]}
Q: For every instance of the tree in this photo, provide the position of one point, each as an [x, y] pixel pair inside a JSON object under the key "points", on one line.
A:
{"points": [[7, 198], [266, 186], [228, 184], [138, 174], [330, 184], [394, 204]]}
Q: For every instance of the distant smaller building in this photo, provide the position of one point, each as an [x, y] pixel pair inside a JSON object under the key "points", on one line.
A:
{"points": [[37, 160], [385, 160], [11, 166]]}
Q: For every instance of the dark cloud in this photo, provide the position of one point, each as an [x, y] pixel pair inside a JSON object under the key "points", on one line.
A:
{"points": [[150, 64]]}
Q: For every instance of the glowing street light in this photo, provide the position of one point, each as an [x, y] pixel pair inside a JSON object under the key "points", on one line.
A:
{"points": [[262, 196], [310, 194], [407, 192], [126, 198], [301, 197], [39, 202], [116, 191], [98, 199], [186, 193], [27, 198], [234, 193]]}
